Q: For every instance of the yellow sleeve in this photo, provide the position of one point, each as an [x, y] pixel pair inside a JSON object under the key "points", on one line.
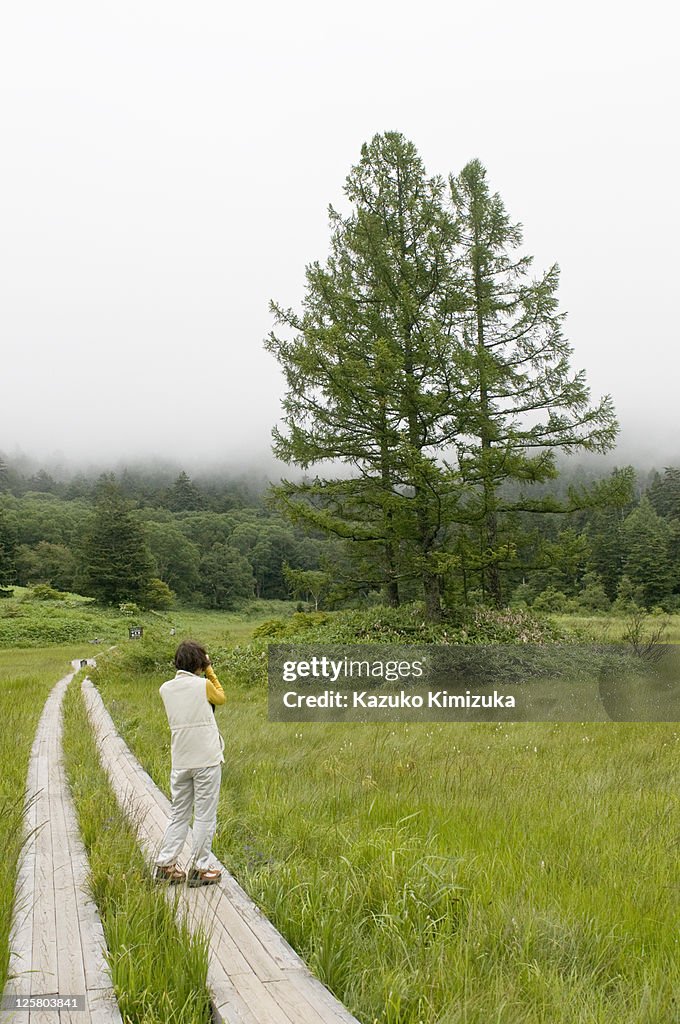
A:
{"points": [[213, 687]]}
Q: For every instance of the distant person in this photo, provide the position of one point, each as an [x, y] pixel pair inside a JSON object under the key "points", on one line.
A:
{"points": [[197, 752]]}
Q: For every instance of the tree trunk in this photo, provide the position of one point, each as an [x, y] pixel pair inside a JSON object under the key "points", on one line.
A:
{"points": [[490, 571], [433, 605], [392, 594], [493, 576]]}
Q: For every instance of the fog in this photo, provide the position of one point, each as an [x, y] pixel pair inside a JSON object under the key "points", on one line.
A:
{"points": [[166, 170]]}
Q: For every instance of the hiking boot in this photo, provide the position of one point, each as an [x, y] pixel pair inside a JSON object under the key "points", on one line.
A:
{"points": [[204, 876], [169, 873]]}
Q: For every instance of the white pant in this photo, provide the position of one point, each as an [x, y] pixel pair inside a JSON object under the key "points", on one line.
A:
{"points": [[196, 789]]}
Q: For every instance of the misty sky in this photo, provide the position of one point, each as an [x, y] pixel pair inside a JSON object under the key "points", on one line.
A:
{"points": [[166, 169]]}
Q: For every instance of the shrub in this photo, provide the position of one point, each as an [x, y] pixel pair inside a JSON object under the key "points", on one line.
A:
{"points": [[42, 592], [550, 600], [158, 595]]}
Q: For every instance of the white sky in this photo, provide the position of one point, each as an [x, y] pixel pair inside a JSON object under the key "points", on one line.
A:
{"points": [[165, 170]]}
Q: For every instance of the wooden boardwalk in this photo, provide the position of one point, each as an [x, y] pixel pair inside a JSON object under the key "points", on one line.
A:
{"points": [[57, 941], [254, 976]]}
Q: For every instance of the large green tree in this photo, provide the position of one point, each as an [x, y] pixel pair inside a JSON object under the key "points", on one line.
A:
{"points": [[518, 401], [47, 563], [226, 577], [8, 546], [176, 559], [647, 563], [184, 495], [369, 373], [117, 565]]}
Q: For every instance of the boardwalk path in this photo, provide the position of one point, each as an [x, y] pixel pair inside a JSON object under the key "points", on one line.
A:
{"points": [[57, 940], [254, 976]]}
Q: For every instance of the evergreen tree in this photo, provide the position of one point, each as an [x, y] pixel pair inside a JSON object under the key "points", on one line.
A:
{"points": [[184, 496], [603, 529], [647, 564], [117, 565], [369, 373], [664, 493], [519, 402], [8, 547], [568, 557]]}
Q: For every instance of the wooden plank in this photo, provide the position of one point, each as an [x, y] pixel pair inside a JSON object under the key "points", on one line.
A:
{"points": [[296, 1004], [44, 1016], [52, 911], [97, 975], [228, 1005], [102, 1006], [281, 951], [69, 946], [257, 996], [314, 990], [254, 975], [213, 905], [44, 954]]}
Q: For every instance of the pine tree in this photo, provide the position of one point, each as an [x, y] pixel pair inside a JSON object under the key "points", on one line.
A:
{"points": [[8, 548], [519, 402], [117, 565], [369, 373], [184, 496], [647, 562], [664, 493]]}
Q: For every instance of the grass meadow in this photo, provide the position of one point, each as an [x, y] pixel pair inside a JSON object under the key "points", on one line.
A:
{"points": [[457, 874], [434, 873]]}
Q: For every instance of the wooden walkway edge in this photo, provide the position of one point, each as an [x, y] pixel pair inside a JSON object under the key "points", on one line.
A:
{"points": [[57, 941], [254, 975]]}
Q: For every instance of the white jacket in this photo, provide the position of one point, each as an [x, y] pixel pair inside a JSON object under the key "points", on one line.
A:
{"points": [[196, 740]]}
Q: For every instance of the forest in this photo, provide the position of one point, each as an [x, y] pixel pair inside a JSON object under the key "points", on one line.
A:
{"points": [[149, 537]]}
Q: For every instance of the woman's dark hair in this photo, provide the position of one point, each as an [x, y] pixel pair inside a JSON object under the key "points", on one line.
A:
{"points": [[191, 656]]}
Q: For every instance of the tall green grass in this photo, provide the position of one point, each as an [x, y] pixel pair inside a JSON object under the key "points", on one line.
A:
{"points": [[26, 678], [457, 874], [158, 968]]}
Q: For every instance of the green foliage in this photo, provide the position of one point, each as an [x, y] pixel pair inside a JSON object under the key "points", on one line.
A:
{"points": [[158, 595], [128, 608], [7, 550], [664, 493], [67, 620], [117, 564], [308, 583], [42, 592], [369, 372], [513, 357], [424, 333], [184, 496], [46, 562], [646, 542], [176, 558], [592, 596], [408, 624], [226, 577], [550, 600]]}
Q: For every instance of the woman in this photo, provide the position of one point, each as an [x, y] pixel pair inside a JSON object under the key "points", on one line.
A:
{"points": [[197, 757]]}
